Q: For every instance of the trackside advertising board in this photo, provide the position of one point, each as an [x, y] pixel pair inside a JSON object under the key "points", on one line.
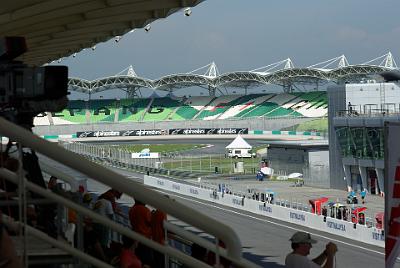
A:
{"points": [[207, 131], [145, 155], [121, 133], [392, 192], [157, 132]]}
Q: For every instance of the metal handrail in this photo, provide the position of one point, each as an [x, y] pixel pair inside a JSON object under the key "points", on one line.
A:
{"points": [[60, 175], [5, 173], [204, 243], [15, 225], [131, 188]]}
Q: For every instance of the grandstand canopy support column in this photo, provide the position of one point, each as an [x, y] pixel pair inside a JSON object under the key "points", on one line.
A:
{"points": [[89, 99], [170, 92], [211, 91], [131, 92], [287, 87]]}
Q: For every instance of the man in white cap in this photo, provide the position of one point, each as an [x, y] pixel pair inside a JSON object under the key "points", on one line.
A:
{"points": [[301, 245]]}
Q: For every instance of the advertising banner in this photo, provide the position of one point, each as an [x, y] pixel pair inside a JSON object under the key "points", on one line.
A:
{"points": [[145, 155], [110, 133], [207, 131]]}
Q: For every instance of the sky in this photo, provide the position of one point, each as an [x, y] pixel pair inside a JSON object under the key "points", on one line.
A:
{"points": [[244, 35]]}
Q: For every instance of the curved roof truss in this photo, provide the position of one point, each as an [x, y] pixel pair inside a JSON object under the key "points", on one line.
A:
{"points": [[240, 79]]}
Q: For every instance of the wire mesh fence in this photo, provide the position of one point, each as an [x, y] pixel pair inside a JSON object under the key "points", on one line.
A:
{"points": [[199, 163]]}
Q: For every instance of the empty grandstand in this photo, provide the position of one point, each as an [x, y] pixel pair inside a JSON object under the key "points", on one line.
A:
{"points": [[309, 104], [294, 102]]}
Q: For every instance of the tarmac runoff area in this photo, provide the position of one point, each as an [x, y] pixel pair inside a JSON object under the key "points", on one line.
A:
{"points": [[284, 190]]}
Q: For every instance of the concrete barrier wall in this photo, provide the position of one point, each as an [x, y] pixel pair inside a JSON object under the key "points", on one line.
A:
{"points": [[362, 233]]}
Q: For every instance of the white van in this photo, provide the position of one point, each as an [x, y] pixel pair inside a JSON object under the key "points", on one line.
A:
{"points": [[241, 153]]}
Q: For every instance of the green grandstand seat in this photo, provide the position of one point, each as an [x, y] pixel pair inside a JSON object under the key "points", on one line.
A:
{"points": [[185, 112], [222, 105], [102, 110], [260, 110], [160, 109], [74, 113], [132, 110], [280, 112]]}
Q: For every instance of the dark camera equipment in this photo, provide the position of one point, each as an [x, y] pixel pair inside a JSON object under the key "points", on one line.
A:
{"points": [[26, 91]]}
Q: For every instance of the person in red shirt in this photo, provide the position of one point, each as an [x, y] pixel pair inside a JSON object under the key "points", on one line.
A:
{"points": [[128, 259], [157, 228], [157, 225], [140, 219]]}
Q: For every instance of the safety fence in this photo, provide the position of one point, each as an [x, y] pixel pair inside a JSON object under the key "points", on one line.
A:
{"points": [[281, 210], [112, 180], [178, 165]]}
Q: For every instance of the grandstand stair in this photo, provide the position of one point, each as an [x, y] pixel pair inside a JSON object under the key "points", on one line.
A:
{"points": [[259, 101], [147, 108], [237, 105], [204, 107]]}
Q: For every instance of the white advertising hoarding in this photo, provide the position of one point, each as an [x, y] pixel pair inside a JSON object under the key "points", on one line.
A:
{"points": [[145, 155]]}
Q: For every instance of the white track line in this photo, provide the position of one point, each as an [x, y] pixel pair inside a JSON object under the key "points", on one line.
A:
{"points": [[275, 223]]}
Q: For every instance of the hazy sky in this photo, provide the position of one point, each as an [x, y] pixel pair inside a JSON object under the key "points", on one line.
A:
{"points": [[247, 34]]}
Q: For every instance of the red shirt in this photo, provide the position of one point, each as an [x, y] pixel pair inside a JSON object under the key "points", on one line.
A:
{"points": [[140, 218], [157, 227], [128, 259]]}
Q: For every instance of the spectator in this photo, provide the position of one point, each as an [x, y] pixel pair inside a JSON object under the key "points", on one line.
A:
{"points": [[212, 260], [199, 253], [10, 189], [363, 194], [128, 259], [104, 208], [158, 234], [140, 219], [324, 211], [87, 200], [350, 108], [8, 254], [47, 213], [112, 195], [52, 184], [301, 245], [91, 242], [345, 214]]}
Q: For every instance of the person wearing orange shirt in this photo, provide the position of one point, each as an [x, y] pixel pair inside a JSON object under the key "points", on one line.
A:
{"points": [[128, 259], [140, 219], [157, 227]]}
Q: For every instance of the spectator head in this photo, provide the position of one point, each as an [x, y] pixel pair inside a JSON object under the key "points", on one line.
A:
{"points": [[128, 242], [198, 252], [302, 243], [87, 198], [117, 193], [138, 202], [10, 163], [81, 189], [52, 182]]}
